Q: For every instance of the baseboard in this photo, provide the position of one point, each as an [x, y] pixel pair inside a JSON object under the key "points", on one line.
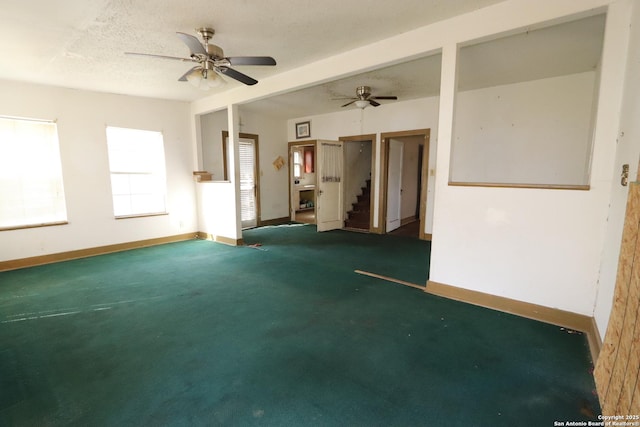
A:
{"points": [[595, 340], [566, 319], [375, 230], [219, 239], [89, 252], [275, 221]]}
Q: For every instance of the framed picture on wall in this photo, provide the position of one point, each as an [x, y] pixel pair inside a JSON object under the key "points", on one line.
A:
{"points": [[303, 130]]}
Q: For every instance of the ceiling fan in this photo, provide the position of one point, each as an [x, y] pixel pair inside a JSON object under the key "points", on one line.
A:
{"points": [[211, 61], [363, 98]]}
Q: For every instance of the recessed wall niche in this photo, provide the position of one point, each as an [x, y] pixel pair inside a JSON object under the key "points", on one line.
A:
{"points": [[525, 107], [213, 152]]}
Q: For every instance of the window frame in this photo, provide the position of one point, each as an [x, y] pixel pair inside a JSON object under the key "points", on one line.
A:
{"points": [[61, 212], [160, 175]]}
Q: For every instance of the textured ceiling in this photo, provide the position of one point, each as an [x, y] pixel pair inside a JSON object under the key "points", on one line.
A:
{"points": [[81, 44], [556, 50]]}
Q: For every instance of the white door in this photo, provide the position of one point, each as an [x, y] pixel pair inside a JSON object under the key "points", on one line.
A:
{"points": [[248, 187], [394, 184], [329, 185]]}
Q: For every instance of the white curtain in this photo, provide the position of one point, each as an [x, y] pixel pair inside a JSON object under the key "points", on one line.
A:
{"points": [[31, 188], [331, 162]]}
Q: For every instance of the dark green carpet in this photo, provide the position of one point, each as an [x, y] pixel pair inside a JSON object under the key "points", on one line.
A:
{"points": [[197, 333]]}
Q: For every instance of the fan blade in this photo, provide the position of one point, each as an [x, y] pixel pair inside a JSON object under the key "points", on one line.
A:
{"points": [[372, 102], [192, 43], [237, 75], [184, 76], [251, 60], [159, 56], [349, 103], [383, 97]]}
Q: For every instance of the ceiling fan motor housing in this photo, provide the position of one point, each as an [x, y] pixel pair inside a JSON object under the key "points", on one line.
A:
{"points": [[363, 92], [215, 51]]}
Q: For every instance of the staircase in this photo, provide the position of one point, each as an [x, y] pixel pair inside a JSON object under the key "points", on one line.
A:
{"points": [[358, 216]]}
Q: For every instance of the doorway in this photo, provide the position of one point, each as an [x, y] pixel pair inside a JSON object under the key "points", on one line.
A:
{"points": [[249, 177], [403, 201], [302, 181], [358, 195]]}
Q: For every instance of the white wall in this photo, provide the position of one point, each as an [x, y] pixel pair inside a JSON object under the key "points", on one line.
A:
{"points": [[539, 246], [214, 216], [536, 132], [392, 117], [82, 118], [628, 152], [212, 125], [274, 197]]}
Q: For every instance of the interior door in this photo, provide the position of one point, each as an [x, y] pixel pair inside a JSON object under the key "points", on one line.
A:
{"points": [[330, 179], [248, 185], [394, 184]]}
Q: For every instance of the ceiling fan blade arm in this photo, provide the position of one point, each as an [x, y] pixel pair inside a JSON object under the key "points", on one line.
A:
{"points": [[194, 45], [160, 56], [374, 103], [251, 60], [383, 97], [184, 76], [349, 103], [237, 75]]}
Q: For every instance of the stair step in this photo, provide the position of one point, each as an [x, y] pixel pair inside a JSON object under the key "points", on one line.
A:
{"points": [[357, 224], [358, 216]]}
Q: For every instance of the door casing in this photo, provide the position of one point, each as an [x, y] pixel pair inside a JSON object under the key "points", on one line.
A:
{"points": [[384, 176]]}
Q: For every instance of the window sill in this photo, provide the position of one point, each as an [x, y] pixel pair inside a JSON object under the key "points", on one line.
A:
{"points": [[23, 227], [538, 186], [142, 215]]}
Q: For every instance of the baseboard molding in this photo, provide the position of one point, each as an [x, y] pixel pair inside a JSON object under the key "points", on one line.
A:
{"points": [[375, 230], [566, 319], [595, 340], [219, 239], [89, 252], [275, 221]]}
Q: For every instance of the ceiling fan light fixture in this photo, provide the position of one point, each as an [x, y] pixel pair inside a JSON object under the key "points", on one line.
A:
{"points": [[362, 104], [204, 79]]}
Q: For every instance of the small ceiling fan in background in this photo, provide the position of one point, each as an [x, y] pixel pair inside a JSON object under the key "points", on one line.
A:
{"points": [[212, 63], [363, 98]]}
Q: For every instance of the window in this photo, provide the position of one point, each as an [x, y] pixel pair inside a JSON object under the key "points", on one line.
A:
{"points": [[136, 161], [297, 164], [31, 187]]}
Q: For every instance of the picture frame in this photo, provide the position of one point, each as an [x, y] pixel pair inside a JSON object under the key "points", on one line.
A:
{"points": [[303, 130]]}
